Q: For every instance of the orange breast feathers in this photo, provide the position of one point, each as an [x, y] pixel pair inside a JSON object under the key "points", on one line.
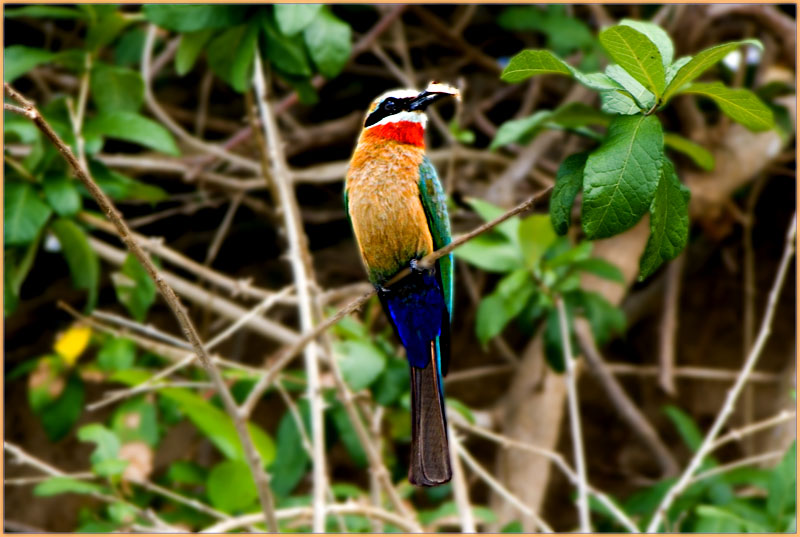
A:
{"points": [[385, 208]]}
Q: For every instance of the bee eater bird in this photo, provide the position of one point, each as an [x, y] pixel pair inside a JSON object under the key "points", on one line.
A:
{"points": [[397, 208]]}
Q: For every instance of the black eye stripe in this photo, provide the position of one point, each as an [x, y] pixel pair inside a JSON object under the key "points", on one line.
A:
{"points": [[382, 111]]}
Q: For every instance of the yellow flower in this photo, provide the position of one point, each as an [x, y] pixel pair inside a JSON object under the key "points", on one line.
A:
{"points": [[71, 344]]}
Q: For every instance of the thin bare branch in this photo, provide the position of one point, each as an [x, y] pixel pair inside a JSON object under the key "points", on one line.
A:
{"points": [[503, 491], [303, 281], [574, 418], [730, 400], [626, 408], [460, 487]]}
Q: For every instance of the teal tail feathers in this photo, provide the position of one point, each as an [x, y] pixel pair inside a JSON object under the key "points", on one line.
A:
{"points": [[430, 452]]}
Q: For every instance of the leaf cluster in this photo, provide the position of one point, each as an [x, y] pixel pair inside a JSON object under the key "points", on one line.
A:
{"points": [[537, 265], [628, 174]]}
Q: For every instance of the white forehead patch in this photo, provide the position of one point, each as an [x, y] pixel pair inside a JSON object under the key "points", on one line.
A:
{"points": [[413, 117], [438, 87], [398, 94]]}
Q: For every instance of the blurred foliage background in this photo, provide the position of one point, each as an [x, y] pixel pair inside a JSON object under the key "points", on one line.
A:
{"points": [[157, 102]]}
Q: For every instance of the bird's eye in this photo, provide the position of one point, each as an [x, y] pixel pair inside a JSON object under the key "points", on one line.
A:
{"points": [[390, 105]]}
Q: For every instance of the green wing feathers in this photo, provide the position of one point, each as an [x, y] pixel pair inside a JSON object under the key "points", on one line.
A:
{"points": [[435, 204]]}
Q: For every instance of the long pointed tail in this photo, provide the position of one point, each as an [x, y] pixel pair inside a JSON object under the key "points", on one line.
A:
{"points": [[430, 453]]}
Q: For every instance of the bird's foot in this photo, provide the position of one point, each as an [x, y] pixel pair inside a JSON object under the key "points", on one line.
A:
{"points": [[419, 268]]}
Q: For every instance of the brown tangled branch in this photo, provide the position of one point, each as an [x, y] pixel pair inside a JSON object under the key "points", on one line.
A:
{"points": [[190, 332]]}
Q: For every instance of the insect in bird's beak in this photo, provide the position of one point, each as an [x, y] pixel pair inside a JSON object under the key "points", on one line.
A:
{"points": [[433, 93]]}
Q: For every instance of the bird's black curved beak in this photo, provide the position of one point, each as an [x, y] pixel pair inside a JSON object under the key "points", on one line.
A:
{"points": [[426, 98]]}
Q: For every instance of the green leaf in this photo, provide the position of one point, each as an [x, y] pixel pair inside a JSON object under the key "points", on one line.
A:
{"points": [[536, 234], [62, 485], [287, 54], [218, 427], [360, 362], [231, 55], [635, 53], [503, 304], [122, 513], [45, 12], [132, 127], [669, 222], [491, 252], [128, 50], [712, 511], [116, 354], [62, 194], [328, 42], [673, 69], [642, 96], [10, 293], [578, 114], [530, 63], [105, 30], [601, 268], [565, 34], [513, 527], [110, 467], [122, 187], [699, 154], [700, 63], [186, 473], [190, 18], [656, 35], [553, 346], [739, 104], [104, 457], [569, 180], [16, 274], [293, 458], [392, 383], [618, 102], [230, 486], [24, 214], [519, 130], [569, 256], [59, 415], [136, 420], [686, 427], [487, 211], [19, 59], [189, 49], [621, 176], [84, 265], [490, 318], [782, 485], [604, 319], [292, 18], [347, 434], [116, 88]]}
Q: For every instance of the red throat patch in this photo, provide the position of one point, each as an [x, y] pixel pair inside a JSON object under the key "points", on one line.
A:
{"points": [[406, 132]]}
